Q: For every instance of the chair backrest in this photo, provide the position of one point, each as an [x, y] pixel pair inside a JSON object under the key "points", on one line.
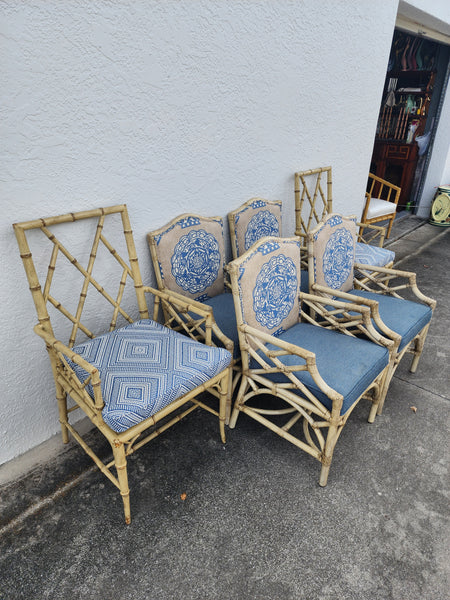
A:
{"points": [[188, 256], [380, 188], [253, 220], [331, 250], [313, 198], [91, 291], [265, 282]]}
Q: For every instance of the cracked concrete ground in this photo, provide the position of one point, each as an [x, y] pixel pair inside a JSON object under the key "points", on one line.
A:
{"points": [[255, 524]]}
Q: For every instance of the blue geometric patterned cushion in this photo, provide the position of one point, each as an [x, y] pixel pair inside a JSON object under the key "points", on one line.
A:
{"points": [[144, 367], [347, 364], [405, 317], [373, 255]]}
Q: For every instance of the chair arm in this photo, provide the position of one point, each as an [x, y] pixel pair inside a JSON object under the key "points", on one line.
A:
{"points": [[367, 308], [394, 274], [60, 348], [187, 304], [191, 306], [308, 356], [377, 230]]}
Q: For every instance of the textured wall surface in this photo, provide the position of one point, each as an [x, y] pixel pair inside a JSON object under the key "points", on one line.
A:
{"points": [[170, 107]]}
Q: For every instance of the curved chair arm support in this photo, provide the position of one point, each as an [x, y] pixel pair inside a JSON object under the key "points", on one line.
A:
{"points": [[308, 356], [395, 274], [367, 308], [369, 311], [59, 348], [190, 306]]}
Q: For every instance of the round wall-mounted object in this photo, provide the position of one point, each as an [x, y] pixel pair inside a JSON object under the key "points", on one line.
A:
{"points": [[440, 207]]}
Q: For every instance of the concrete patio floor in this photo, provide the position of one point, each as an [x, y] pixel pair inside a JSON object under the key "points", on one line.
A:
{"points": [[254, 523]]}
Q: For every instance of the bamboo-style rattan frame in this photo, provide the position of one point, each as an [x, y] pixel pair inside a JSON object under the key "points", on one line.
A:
{"points": [[314, 200], [325, 425], [66, 382], [381, 189], [189, 320], [381, 280], [233, 223]]}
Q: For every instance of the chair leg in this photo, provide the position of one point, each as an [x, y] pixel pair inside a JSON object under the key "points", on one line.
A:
{"points": [[224, 389], [120, 462], [327, 454], [391, 222], [62, 408], [238, 402], [418, 347]]}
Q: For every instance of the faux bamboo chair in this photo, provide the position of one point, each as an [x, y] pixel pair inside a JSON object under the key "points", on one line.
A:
{"points": [[126, 375], [319, 373], [332, 274], [381, 203], [313, 202], [253, 220], [188, 258]]}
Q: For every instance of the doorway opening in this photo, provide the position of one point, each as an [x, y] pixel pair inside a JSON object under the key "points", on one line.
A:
{"points": [[415, 83]]}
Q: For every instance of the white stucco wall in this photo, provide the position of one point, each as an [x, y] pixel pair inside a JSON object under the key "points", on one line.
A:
{"points": [[170, 107]]}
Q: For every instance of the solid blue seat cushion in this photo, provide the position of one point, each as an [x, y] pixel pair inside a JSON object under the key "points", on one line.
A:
{"points": [[304, 281], [144, 367], [347, 364], [373, 255], [405, 317], [225, 317]]}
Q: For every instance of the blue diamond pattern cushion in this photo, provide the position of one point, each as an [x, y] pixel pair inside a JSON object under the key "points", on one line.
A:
{"points": [[373, 255], [347, 364], [405, 317], [144, 367]]}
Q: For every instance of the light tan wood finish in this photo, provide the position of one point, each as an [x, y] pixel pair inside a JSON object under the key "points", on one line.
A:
{"points": [[381, 280], [314, 200], [92, 286], [381, 189], [321, 426]]}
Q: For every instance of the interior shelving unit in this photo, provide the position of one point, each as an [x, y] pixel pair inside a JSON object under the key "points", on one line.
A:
{"points": [[404, 111]]}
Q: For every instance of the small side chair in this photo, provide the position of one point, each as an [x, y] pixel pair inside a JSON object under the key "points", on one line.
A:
{"points": [[319, 373], [333, 273], [111, 358], [381, 203]]}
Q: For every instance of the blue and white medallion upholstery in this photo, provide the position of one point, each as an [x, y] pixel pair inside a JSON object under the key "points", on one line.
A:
{"points": [[334, 252], [253, 220], [269, 283], [318, 374], [144, 367], [188, 257], [196, 261]]}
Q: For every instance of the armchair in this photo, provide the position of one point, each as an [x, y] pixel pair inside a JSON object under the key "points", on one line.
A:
{"points": [[333, 273], [188, 258], [132, 376], [320, 373]]}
